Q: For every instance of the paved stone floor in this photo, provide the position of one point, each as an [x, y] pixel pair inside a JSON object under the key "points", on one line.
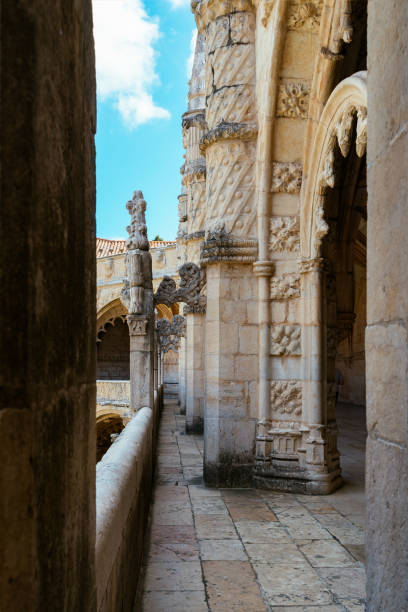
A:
{"points": [[248, 550]]}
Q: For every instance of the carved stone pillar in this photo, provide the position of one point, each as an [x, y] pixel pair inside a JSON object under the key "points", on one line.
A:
{"points": [[182, 375], [195, 343], [230, 242], [320, 457], [141, 332], [137, 295]]}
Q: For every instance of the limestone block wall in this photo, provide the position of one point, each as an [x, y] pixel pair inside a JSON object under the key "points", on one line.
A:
{"points": [[123, 488], [47, 311], [387, 308]]}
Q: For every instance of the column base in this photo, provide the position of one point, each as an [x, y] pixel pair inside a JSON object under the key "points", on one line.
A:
{"points": [[299, 481], [227, 475]]}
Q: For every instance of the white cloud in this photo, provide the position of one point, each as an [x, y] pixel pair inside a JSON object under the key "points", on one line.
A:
{"points": [[190, 59], [175, 4], [125, 36]]}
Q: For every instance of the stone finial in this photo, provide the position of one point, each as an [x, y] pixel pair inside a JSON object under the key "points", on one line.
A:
{"points": [[137, 229], [137, 292]]}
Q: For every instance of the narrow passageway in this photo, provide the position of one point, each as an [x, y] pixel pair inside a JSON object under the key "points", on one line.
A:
{"points": [[246, 550]]}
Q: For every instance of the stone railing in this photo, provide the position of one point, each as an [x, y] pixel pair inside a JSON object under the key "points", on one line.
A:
{"points": [[123, 488]]}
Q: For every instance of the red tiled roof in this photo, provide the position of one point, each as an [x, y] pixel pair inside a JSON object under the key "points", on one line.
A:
{"points": [[105, 247]]}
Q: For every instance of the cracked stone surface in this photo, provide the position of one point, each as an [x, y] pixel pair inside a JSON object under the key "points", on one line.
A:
{"points": [[249, 550]]}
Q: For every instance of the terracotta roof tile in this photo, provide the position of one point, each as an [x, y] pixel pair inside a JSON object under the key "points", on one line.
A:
{"points": [[105, 247]]}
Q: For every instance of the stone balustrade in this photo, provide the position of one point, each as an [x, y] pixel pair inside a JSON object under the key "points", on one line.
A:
{"points": [[123, 487]]}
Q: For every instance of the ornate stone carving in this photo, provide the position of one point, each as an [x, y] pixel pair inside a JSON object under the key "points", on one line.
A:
{"points": [[137, 325], [137, 229], [286, 340], [268, 8], [344, 131], [284, 234], [315, 264], [166, 291], [305, 15], [182, 207], [194, 171], [286, 397], [191, 289], [193, 119], [170, 332], [328, 176], [293, 100], [230, 186], [206, 11], [286, 177], [361, 137], [285, 287], [137, 289], [232, 249], [228, 131]]}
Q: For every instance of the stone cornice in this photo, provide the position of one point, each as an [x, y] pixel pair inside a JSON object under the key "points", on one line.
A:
{"points": [[231, 249], [206, 11], [193, 119], [229, 131]]}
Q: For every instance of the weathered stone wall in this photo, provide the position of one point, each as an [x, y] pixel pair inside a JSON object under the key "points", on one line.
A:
{"points": [[47, 315], [387, 308]]}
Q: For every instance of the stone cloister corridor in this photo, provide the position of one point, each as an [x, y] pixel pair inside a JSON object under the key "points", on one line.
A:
{"points": [[252, 550], [175, 433]]}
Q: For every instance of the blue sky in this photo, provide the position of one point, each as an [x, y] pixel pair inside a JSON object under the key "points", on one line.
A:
{"points": [[142, 52]]}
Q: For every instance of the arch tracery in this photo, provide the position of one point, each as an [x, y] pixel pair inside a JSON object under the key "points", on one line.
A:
{"points": [[345, 109]]}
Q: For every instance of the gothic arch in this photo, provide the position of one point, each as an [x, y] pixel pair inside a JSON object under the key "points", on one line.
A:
{"points": [[108, 313], [346, 106]]}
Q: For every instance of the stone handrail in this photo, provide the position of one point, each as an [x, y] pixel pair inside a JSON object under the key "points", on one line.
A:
{"points": [[123, 485]]}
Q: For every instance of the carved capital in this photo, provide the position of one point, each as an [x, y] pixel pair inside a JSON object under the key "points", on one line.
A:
{"points": [[137, 325], [229, 131], [263, 268]]}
